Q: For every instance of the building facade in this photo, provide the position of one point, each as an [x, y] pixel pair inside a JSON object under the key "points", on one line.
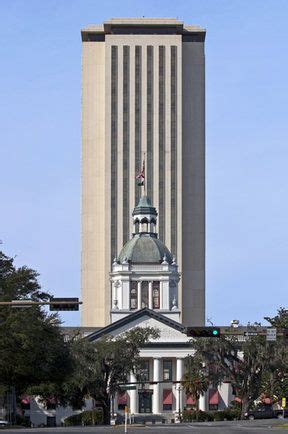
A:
{"points": [[143, 95]]}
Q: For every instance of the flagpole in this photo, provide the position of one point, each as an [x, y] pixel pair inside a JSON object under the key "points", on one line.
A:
{"points": [[144, 159]]}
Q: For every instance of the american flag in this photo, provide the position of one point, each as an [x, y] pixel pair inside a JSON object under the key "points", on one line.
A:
{"points": [[141, 176]]}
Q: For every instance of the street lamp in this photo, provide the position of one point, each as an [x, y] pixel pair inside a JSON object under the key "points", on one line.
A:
{"points": [[179, 388]]}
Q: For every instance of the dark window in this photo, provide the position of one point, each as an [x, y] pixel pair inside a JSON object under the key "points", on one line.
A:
{"points": [[136, 223], [138, 99], [167, 370], [51, 421], [150, 125], [51, 405], [156, 295], [126, 139], [144, 371], [162, 142], [213, 406], [173, 92], [133, 295], [144, 294], [114, 148]]}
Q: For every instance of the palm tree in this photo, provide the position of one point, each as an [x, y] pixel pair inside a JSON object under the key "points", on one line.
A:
{"points": [[195, 380]]}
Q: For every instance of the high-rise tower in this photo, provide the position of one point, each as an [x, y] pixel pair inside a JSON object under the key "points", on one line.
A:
{"points": [[143, 92]]}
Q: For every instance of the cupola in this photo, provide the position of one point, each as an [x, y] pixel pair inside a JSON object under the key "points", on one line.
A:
{"points": [[145, 274]]}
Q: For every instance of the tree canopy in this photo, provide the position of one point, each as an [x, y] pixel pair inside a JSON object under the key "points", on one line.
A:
{"points": [[100, 367], [32, 347], [253, 366]]}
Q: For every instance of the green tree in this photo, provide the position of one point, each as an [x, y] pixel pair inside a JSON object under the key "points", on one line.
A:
{"points": [[31, 345], [242, 363], [195, 381], [100, 366], [280, 320], [275, 378]]}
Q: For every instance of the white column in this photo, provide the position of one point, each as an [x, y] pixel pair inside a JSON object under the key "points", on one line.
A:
{"points": [[150, 304], [120, 295], [133, 396], [114, 296], [139, 295], [202, 402], [156, 387], [179, 375]]}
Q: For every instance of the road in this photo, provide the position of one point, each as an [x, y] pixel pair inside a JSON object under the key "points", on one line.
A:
{"points": [[236, 427]]}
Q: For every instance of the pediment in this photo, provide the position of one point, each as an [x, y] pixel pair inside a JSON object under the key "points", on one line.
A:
{"points": [[170, 331]]}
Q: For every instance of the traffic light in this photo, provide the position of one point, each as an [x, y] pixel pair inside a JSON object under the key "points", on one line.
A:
{"points": [[203, 332], [64, 304]]}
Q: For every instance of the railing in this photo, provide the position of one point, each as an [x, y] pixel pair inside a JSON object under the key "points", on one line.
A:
{"points": [[146, 267]]}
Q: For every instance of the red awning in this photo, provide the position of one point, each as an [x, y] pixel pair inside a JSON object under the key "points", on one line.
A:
{"points": [[190, 400], [213, 397], [25, 399], [267, 401], [122, 399], [167, 396]]}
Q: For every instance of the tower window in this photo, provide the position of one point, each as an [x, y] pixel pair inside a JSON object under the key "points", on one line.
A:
{"points": [[144, 294], [136, 225], [152, 225], [133, 295], [144, 224], [156, 295]]}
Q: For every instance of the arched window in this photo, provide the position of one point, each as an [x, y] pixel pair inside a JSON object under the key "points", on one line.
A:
{"points": [[144, 224], [133, 295], [152, 225], [156, 295], [144, 294], [136, 225]]}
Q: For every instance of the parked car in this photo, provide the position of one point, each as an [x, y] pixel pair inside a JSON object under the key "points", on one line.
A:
{"points": [[4, 422], [266, 413]]}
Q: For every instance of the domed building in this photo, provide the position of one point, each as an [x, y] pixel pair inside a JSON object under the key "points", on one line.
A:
{"points": [[145, 274], [144, 293]]}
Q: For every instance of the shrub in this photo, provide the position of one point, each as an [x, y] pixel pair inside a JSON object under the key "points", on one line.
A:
{"points": [[88, 417], [235, 413], [219, 415], [193, 415], [22, 421]]}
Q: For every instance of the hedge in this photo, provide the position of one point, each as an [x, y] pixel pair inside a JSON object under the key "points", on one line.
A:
{"points": [[88, 417], [203, 416]]}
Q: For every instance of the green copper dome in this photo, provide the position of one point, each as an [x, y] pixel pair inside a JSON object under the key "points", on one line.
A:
{"points": [[143, 249]]}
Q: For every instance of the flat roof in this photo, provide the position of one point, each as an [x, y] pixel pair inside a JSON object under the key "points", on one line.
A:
{"points": [[142, 26]]}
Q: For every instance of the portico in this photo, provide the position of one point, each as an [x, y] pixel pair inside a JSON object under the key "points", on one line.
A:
{"points": [[162, 397]]}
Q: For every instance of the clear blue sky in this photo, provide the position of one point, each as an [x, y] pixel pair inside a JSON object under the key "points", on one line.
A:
{"points": [[247, 146]]}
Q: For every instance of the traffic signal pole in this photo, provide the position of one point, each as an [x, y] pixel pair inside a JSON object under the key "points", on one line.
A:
{"points": [[54, 304]]}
